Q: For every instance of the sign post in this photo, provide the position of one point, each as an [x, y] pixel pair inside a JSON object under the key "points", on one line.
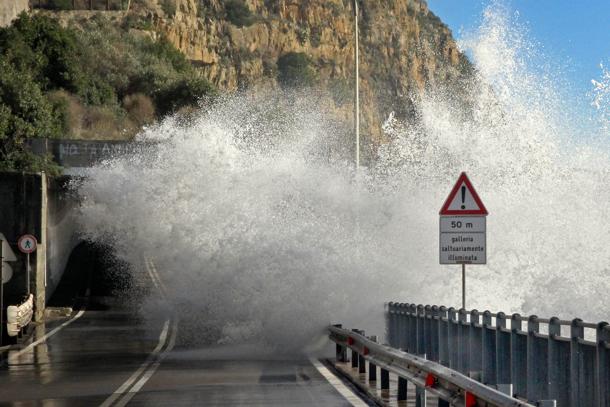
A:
{"points": [[463, 229], [27, 244]]}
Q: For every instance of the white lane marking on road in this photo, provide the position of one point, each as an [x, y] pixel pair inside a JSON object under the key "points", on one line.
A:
{"points": [[151, 370], [126, 392], [334, 381], [12, 357], [125, 386], [150, 274], [154, 275]]}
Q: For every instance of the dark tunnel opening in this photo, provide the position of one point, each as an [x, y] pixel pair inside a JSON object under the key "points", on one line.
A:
{"points": [[91, 267]]}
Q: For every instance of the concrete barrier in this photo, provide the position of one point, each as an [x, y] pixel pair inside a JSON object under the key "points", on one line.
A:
{"points": [[19, 316]]}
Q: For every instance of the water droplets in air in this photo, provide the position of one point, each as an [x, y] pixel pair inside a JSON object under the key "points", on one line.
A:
{"points": [[260, 228]]}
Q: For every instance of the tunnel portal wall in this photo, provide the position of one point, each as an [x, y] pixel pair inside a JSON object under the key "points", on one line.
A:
{"points": [[44, 207]]}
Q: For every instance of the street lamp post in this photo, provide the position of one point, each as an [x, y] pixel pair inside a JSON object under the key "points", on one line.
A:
{"points": [[357, 91]]}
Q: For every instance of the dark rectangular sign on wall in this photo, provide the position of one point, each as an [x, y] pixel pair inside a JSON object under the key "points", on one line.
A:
{"points": [[82, 153]]}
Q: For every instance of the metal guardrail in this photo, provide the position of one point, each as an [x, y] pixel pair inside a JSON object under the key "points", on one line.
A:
{"points": [[547, 362], [451, 387]]}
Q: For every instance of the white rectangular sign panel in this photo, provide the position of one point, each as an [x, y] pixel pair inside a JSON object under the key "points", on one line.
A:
{"points": [[463, 240]]}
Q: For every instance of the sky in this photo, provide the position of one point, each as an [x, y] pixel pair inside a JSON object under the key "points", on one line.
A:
{"points": [[574, 33]]}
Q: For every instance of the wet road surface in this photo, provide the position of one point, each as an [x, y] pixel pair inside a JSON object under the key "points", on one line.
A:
{"points": [[108, 355]]}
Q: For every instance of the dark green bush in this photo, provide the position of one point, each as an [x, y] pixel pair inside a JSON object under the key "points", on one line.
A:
{"points": [[238, 13], [55, 81], [186, 92], [295, 70], [169, 7]]}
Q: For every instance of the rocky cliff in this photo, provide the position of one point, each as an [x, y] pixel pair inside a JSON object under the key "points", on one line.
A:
{"points": [[9, 9], [404, 48]]}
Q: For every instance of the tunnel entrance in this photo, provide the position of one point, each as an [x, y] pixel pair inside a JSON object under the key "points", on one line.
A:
{"points": [[91, 267]]}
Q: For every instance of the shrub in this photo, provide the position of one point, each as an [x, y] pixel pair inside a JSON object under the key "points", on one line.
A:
{"points": [[341, 90], [316, 36], [294, 70], [24, 113], [185, 92], [97, 80], [40, 45], [140, 108], [169, 7], [238, 13]]}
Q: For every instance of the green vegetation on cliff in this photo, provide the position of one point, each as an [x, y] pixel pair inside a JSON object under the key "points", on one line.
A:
{"points": [[98, 80]]}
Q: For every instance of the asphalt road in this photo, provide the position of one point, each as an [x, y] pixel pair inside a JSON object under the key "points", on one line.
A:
{"points": [[109, 355]]}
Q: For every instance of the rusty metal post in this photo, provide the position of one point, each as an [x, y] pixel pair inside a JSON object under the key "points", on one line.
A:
{"points": [[340, 350], [385, 379], [372, 367], [402, 389], [354, 353]]}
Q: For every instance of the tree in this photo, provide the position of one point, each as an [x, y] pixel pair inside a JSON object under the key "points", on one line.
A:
{"points": [[295, 70]]}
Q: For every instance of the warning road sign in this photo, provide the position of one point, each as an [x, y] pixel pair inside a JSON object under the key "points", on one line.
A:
{"points": [[463, 200], [463, 226], [463, 229]]}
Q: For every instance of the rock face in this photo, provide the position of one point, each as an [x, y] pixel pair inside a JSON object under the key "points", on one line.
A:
{"points": [[9, 9], [404, 49]]}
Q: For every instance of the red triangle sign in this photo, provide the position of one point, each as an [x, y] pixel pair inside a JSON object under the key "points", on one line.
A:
{"points": [[463, 199]]}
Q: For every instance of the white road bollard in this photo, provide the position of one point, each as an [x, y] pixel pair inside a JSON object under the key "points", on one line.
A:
{"points": [[19, 316]]}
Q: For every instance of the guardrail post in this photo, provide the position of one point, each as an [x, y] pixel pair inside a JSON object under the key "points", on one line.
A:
{"points": [[397, 309], [420, 396], [452, 334], [427, 334], [443, 337], [402, 389], [576, 334], [602, 365], [421, 344], [402, 326], [503, 366], [558, 366], [361, 360], [488, 375], [462, 348], [434, 334], [340, 350], [475, 347], [385, 379], [518, 356], [390, 323], [372, 366], [536, 361], [354, 353], [412, 341]]}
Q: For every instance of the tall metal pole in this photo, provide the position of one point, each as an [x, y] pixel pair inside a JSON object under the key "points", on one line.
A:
{"points": [[463, 286], [27, 270], [357, 98], [1, 291]]}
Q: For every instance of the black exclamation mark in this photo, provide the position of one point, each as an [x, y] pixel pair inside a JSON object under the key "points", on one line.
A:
{"points": [[463, 196]]}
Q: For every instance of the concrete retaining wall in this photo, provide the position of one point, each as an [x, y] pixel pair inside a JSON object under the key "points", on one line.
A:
{"points": [[34, 204]]}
